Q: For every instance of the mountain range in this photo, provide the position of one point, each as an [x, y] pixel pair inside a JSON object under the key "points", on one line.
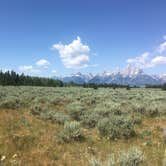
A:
{"points": [[128, 76]]}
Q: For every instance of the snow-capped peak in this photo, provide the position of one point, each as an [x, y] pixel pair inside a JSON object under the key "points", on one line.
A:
{"points": [[131, 71], [77, 74], [129, 75], [163, 77], [106, 73]]}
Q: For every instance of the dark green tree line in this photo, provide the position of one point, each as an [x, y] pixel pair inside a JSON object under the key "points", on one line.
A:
{"points": [[14, 79]]}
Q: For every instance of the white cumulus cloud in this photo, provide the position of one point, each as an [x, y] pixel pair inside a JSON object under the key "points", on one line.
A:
{"points": [[164, 37], [142, 61], [25, 68], [53, 71], [158, 60], [43, 63], [162, 47], [74, 55], [150, 59], [28, 70]]}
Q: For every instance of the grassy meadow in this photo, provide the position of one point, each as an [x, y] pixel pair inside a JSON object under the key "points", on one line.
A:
{"points": [[75, 126]]}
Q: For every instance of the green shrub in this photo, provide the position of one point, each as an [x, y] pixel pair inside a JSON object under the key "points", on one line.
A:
{"points": [[10, 103], [90, 119], [57, 117], [95, 162], [145, 133], [108, 108], [71, 132], [102, 111], [164, 136], [164, 159], [37, 109], [95, 87], [110, 161], [152, 111], [133, 157], [128, 87], [75, 110], [116, 127], [139, 108], [137, 119], [104, 126], [164, 87], [116, 109]]}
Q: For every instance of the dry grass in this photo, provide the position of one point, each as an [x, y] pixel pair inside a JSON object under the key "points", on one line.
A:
{"points": [[28, 140]]}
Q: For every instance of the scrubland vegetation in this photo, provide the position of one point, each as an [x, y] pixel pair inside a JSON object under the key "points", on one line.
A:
{"points": [[82, 126]]}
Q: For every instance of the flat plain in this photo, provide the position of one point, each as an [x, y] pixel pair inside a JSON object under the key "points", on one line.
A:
{"points": [[73, 126]]}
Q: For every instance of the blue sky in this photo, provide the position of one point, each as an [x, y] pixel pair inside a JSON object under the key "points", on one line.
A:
{"points": [[59, 37]]}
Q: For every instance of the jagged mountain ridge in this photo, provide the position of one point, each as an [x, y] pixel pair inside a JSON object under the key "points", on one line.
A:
{"points": [[126, 77]]}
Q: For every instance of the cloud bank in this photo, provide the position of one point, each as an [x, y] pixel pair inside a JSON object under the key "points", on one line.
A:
{"points": [[150, 59]]}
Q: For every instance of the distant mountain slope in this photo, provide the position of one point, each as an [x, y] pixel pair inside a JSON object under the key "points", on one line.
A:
{"points": [[126, 77]]}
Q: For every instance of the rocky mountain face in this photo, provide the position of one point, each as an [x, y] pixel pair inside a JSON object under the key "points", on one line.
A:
{"points": [[126, 77]]}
